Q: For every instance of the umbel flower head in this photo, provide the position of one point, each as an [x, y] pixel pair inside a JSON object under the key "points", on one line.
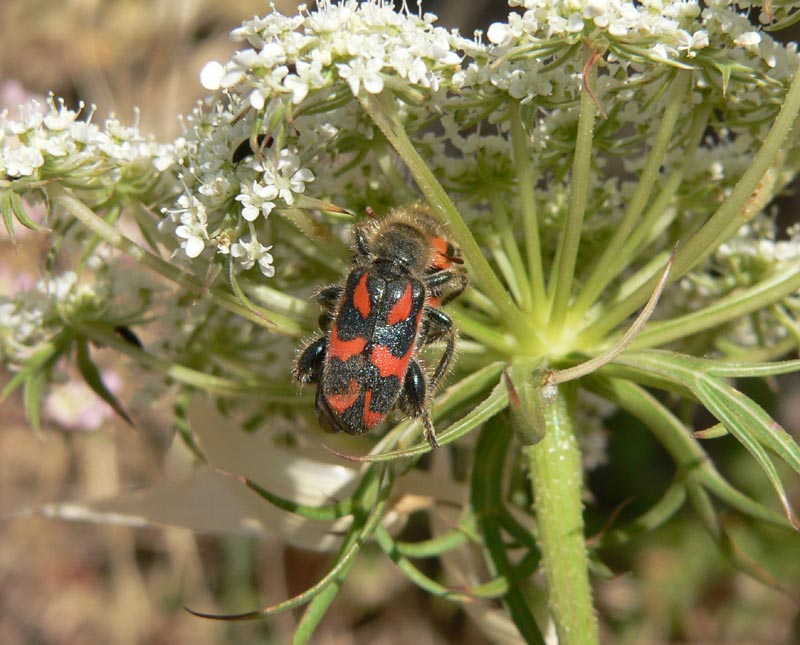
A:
{"points": [[605, 170]]}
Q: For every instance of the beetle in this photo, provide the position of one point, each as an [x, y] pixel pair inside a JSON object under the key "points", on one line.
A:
{"points": [[374, 324]]}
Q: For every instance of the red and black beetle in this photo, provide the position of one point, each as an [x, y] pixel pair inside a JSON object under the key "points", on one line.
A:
{"points": [[374, 324]]}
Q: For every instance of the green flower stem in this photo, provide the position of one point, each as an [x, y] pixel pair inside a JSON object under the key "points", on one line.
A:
{"points": [[112, 236], [657, 217], [527, 204], [484, 334], [560, 287], [517, 275], [556, 476], [383, 113], [599, 275], [505, 265], [733, 213], [732, 307]]}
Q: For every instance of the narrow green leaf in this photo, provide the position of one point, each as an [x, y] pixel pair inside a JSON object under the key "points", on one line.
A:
{"points": [[658, 514], [714, 432], [39, 360], [359, 531], [750, 370], [8, 215], [91, 375], [180, 422], [704, 507], [171, 272], [670, 432], [389, 547], [500, 585], [746, 564], [524, 535], [487, 500], [32, 398], [717, 484], [742, 417], [434, 546], [625, 369], [277, 392], [320, 513], [753, 427], [725, 72], [318, 607], [727, 547], [21, 214]]}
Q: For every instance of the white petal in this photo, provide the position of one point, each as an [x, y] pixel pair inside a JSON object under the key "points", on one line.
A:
{"points": [[499, 34], [194, 247], [373, 84], [257, 99], [211, 75]]}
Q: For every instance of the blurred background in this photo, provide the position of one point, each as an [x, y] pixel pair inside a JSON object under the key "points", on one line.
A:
{"points": [[82, 583]]}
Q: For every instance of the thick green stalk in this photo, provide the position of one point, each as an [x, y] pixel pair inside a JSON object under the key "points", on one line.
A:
{"points": [[557, 480]]}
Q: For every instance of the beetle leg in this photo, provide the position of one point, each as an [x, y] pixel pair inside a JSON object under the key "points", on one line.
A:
{"points": [[362, 246], [414, 399], [325, 417], [328, 298], [437, 326], [308, 367], [446, 285]]}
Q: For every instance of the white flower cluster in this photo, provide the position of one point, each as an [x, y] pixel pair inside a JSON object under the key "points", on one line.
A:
{"points": [[757, 242], [223, 198], [671, 23], [686, 34], [31, 317], [363, 43], [51, 140]]}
